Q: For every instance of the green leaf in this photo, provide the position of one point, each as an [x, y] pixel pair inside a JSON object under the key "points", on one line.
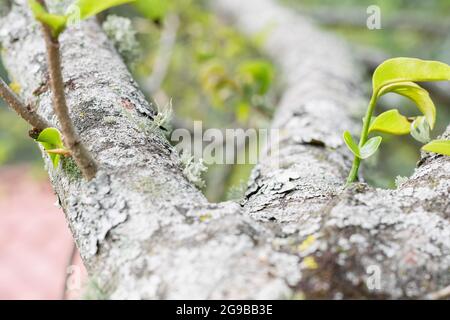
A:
{"points": [[420, 130], [50, 139], [152, 9], [258, 73], [408, 69], [438, 146], [416, 94], [370, 147], [351, 144], [56, 22], [51, 136], [391, 122], [89, 8]]}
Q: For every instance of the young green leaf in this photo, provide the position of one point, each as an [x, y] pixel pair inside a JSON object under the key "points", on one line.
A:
{"points": [[51, 136], [438, 146], [408, 69], [258, 73], [391, 122], [351, 144], [56, 22], [152, 9], [416, 94], [420, 130], [50, 139], [89, 8], [370, 147]]}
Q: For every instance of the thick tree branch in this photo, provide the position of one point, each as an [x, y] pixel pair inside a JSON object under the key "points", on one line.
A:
{"points": [[144, 231]]}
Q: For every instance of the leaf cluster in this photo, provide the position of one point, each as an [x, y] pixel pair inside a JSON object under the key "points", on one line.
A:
{"points": [[399, 76]]}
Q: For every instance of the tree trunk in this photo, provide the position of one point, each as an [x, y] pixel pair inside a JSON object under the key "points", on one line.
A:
{"points": [[145, 232]]}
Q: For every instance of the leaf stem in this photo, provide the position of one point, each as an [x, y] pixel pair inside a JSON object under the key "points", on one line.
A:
{"points": [[72, 141], [22, 110], [61, 152], [353, 175]]}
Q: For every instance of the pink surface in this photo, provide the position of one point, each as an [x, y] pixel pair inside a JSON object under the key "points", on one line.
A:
{"points": [[35, 241]]}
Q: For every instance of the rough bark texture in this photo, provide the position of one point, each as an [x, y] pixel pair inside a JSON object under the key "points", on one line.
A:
{"points": [[145, 232]]}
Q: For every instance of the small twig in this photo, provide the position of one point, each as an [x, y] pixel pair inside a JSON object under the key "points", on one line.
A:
{"points": [[80, 154], [29, 115], [162, 62]]}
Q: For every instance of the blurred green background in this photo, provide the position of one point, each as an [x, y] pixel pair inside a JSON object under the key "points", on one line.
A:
{"points": [[216, 75]]}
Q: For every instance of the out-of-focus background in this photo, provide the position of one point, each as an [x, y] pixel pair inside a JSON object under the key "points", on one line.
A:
{"points": [[182, 53]]}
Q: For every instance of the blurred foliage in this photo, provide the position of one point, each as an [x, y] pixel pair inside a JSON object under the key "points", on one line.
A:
{"points": [[440, 7], [15, 145], [404, 40], [216, 75]]}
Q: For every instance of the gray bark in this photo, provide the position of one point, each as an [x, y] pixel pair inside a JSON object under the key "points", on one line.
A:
{"points": [[145, 232]]}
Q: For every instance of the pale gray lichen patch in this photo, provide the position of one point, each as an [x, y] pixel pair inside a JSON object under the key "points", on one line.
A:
{"points": [[193, 169], [93, 212], [123, 36]]}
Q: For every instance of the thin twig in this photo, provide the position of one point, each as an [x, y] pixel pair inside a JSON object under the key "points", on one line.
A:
{"points": [[80, 154], [15, 103], [162, 62]]}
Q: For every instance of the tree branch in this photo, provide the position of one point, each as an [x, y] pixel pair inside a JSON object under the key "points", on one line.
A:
{"points": [[362, 229], [144, 231], [26, 113], [406, 20]]}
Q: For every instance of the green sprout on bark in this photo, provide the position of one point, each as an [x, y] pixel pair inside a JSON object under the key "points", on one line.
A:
{"points": [[398, 75], [51, 141]]}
